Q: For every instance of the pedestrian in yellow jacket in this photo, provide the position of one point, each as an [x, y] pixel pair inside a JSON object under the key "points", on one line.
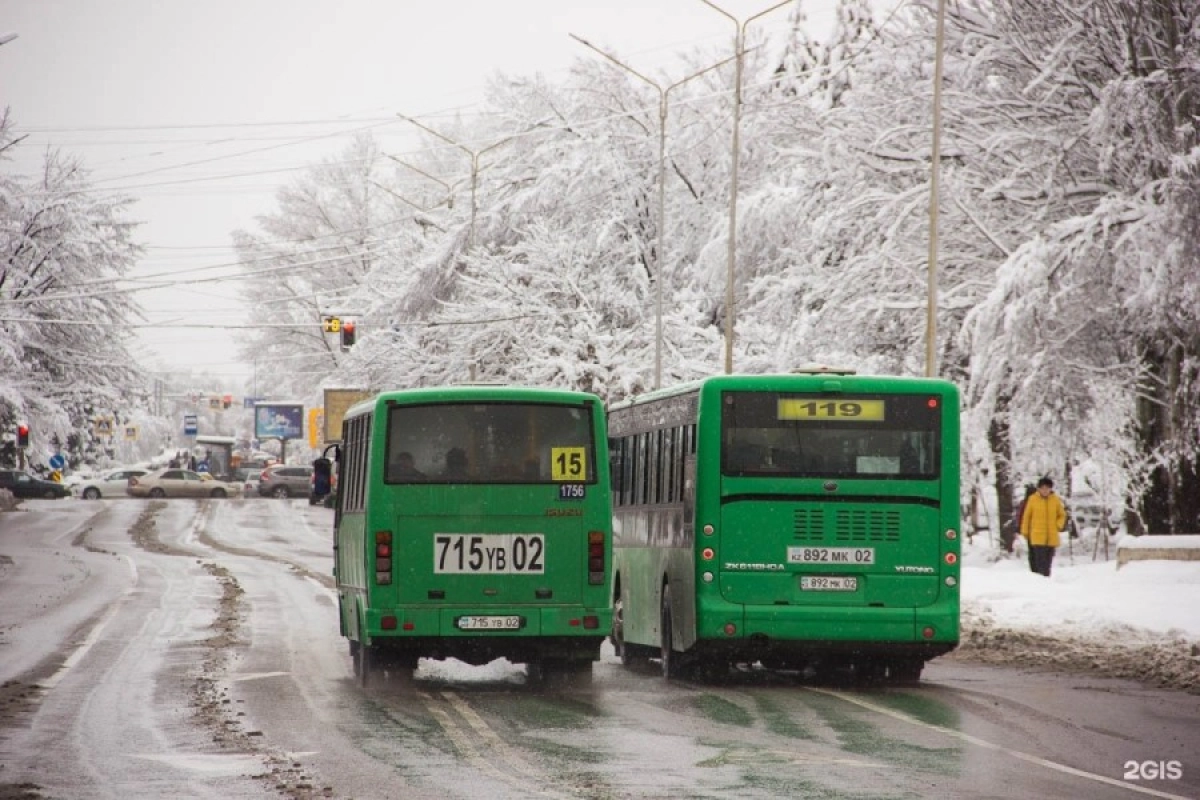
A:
{"points": [[1043, 517]]}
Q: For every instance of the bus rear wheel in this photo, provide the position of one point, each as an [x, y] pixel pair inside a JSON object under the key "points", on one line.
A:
{"points": [[672, 660], [361, 655], [618, 630], [561, 673], [906, 671]]}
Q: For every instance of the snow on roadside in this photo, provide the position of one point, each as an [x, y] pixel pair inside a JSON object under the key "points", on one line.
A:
{"points": [[1141, 622]]}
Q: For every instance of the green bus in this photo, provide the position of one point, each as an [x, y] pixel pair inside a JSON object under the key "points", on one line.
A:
{"points": [[806, 521], [474, 522]]}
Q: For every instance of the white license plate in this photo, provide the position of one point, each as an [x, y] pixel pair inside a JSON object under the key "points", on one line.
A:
{"points": [[828, 583], [831, 555], [489, 553], [489, 623]]}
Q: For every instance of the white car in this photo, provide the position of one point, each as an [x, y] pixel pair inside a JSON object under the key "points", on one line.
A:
{"points": [[173, 482], [107, 484]]}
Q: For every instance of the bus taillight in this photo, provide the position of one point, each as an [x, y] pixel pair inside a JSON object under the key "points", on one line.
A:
{"points": [[595, 557], [383, 557]]}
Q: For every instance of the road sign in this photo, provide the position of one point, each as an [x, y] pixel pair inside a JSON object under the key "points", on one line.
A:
{"points": [[331, 324], [316, 421], [57, 461], [190, 425]]}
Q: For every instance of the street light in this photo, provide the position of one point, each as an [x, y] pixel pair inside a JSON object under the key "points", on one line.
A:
{"points": [[739, 44], [449, 201], [662, 161], [474, 154], [424, 209], [934, 170]]}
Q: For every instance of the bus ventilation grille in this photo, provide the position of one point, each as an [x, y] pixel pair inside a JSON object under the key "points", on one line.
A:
{"points": [[809, 524], [868, 526]]}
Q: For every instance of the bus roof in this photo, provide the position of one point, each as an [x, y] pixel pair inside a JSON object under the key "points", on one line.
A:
{"points": [[765, 380], [467, 392]]}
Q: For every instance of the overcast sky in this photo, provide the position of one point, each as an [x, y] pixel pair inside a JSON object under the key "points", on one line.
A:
{"points": [[201, 110]]}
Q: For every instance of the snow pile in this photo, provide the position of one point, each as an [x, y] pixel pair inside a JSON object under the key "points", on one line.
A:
{"points": [[1139, 622]]}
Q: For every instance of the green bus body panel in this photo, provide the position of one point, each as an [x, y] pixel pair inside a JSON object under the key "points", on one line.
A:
{"points": [[415, 513], [641, 570], [756, 519], [902, 537]]}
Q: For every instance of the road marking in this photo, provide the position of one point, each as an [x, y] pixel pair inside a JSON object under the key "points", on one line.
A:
{"points": [[975, 740], [469, 751], [490, 736], [93, 635], [254, 676]]}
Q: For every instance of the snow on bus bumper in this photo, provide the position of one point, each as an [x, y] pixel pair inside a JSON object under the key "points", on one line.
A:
{"points": [[489, 621]]}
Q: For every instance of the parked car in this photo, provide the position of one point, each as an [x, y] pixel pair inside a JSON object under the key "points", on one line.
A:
{"points": [[250, 483], [180, 483], [285, 480], [107, 484], [24, 485]]}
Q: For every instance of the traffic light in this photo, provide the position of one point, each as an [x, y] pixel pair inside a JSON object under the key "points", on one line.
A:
{"points": [[227, 401], [22, 436], [348, 333]]}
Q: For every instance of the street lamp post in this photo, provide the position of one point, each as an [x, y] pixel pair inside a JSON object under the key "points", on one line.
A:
{"points": [[739, 44], [421, 221], [474, 155], [449, 201], [663, 93], [931, 288]]}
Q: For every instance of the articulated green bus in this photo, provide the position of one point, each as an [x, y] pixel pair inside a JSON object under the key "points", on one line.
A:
{"points": [[807, 521], [474, 522]]}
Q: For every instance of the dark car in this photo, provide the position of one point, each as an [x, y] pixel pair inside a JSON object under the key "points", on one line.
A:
{"points": [[24, 485], [285, 480]]}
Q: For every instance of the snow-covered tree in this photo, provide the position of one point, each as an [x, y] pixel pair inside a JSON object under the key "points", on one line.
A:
{"points": [[64, 322], [313, 258]]}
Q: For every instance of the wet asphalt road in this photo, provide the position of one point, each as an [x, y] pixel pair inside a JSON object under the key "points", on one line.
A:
{"points": [[190, 649]]}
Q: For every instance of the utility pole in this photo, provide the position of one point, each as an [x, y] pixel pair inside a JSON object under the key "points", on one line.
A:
{"points": [[474, 156], [660, 270], [739, 49], [931, 287]]}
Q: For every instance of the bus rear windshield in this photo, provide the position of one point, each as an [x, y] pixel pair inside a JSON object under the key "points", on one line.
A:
{"points": [[834, 436], [488, 443]]}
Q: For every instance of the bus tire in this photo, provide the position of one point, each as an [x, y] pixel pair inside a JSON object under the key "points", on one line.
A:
{"points": [[362, 664], [618, 630], [561, 673], [672, 660], [906, 671]]}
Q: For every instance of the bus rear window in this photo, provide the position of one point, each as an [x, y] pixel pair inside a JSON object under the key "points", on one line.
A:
{"points": [[490, 443], [835, 436]]}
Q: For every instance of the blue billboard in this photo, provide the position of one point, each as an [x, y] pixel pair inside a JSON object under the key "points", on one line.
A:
{"points": [[278, 421]]}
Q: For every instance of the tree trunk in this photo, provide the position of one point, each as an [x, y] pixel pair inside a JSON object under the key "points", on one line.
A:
{"points": [[1001, 446]]}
